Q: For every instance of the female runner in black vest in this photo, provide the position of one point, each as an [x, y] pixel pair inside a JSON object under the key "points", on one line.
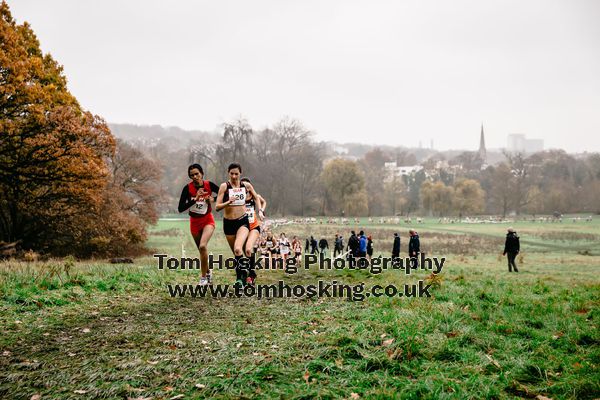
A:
{"points": [[232, 199]]}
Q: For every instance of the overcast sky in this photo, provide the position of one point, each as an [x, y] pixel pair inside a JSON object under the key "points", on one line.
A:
{"points": [[394, 72]]}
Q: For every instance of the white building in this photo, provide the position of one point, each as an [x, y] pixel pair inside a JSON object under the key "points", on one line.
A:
{"points": [[392, 169], [518, 143], [339, 150]]}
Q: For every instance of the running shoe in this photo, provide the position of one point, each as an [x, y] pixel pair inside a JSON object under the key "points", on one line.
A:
{"points": [[250, 281], [239, 282], [204, 281]]}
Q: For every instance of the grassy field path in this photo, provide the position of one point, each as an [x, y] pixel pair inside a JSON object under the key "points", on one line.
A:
{"points": [[112, 331]]}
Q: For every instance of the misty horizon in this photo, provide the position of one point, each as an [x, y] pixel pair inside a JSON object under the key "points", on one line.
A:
{"points": [[425, 146], [352, 72]]}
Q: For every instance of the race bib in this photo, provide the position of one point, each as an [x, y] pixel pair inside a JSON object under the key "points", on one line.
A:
{"points": [[201, 207], [237, 196], [250, 212]]}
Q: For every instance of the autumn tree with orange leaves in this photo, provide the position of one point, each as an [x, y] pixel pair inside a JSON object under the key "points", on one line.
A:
{"points": [[57, 189]]}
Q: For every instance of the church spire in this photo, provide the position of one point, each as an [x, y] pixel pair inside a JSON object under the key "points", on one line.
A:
{"points": [[482, 152]]}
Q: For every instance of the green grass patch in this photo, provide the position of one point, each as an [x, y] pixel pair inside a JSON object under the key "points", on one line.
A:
{"points": [[90, 329]]}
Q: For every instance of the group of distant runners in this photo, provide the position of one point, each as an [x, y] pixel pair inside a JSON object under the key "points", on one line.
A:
{"points": [[270, 247]]}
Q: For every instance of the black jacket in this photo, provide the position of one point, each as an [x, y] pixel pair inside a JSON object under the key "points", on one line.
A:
{"points": [[353, 243], [414, 246], [396, 247], [313, 244], [512, 243], [323, 244]]}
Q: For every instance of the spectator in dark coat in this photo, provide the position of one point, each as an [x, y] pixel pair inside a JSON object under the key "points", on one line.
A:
{"points": [[511, 249], [396, 248], [323, 245], [339, 245], [353, 245], [362, 248], [414, 247], [362, 244], [313, 245]]}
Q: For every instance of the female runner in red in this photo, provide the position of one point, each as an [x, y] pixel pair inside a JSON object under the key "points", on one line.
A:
{"points": [[196, 197]]}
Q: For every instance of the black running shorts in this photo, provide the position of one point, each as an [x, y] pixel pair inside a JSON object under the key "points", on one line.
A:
{"points": [[231, 226]]}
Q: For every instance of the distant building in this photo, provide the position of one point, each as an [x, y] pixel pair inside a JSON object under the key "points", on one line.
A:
{"points": [[339, 150], [482, 152], [515, 142], [393, 170], [534, 145], [518, 143], [441, 164]]}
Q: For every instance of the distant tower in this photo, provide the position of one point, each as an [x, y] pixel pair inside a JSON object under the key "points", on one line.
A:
{"points": [[482, 152]]}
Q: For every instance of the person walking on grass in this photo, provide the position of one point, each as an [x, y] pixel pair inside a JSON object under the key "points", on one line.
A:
{"points": [[338, 245], [369, 248], [353, 245], [323, 246], [396, 248], [362, 248], [511, 249], [313, 245], [414, 247]]}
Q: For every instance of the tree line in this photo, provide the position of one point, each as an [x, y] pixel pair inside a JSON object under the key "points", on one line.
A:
{"points": [[299, 178], [541, 183]]}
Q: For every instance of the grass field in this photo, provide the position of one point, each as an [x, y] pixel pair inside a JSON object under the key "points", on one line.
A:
{"points": [[88, 329]]}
